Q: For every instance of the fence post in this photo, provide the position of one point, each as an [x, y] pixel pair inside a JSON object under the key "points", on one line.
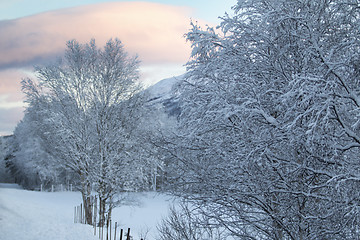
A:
{"points": [[95, 214], [128, 234], [110, 229], [102, 232], [121, 234], [115, 231], [84, 218], [107, 227], [81, 213]]}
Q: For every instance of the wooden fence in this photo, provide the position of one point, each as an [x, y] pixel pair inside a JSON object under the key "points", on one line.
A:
{"points": [[105, 232]]}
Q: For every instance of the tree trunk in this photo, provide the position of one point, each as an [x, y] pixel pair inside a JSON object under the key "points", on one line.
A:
{"points": [[102, 211], [86, 196]]}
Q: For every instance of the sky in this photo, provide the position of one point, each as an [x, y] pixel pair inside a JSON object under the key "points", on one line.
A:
{"points": [[34, 32]]}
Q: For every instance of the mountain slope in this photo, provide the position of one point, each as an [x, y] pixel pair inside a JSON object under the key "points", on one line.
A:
{"points": [[164, 95]]}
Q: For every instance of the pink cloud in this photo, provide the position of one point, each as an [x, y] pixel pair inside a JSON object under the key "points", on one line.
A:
{"points": [[11, 99], [154, 31], [10, 87], [9, 118], [10, 80]]}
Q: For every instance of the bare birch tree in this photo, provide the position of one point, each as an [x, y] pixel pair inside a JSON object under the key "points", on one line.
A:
{"points": [[89, 107]]}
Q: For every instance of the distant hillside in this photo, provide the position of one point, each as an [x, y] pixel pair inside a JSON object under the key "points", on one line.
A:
{"points": [[164, 94]]}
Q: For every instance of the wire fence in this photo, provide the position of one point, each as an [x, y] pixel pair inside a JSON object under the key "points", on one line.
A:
{"points": [[55, 188], [107, 231]]}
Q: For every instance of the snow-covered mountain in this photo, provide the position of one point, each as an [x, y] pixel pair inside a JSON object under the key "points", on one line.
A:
{"points": [[164, 94]]}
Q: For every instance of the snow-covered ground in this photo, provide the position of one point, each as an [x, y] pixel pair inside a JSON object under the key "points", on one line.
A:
{"points": [[30, 215]]}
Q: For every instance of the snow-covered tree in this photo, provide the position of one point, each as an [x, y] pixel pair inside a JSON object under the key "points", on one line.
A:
{"points": [[29, 158], [267, 143], [89, 104], [36, 165]]}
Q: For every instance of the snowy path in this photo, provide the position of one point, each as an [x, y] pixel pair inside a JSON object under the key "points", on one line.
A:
{"points": [[30, 215]]}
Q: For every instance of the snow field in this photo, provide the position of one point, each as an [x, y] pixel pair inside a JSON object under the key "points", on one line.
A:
{"points": [[30, 215]]}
